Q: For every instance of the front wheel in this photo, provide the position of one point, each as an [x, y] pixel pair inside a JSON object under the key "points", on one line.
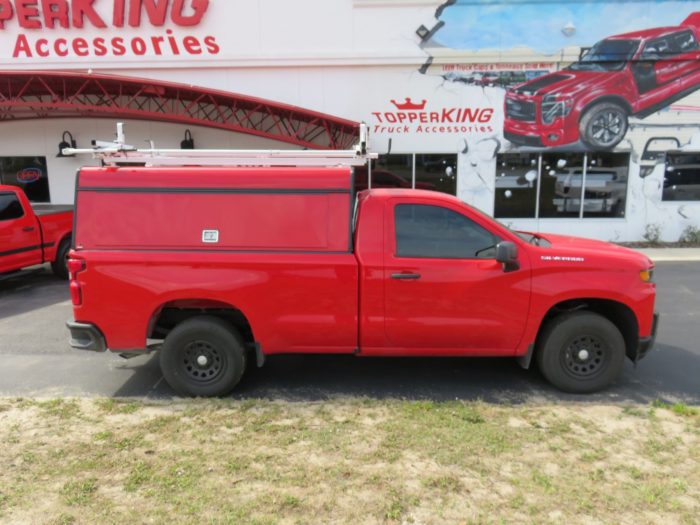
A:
{"points": [[580, 352], [603, 126], [203, 356]]}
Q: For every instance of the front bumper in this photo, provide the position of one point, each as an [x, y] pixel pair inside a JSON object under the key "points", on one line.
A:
{"points": [[86, 336], [647, 343]]}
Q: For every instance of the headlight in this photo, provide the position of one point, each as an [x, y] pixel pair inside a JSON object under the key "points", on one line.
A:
{"points": [[647, 276], [554, 107]]}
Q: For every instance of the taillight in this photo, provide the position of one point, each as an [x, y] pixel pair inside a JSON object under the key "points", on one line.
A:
{"points": [[76, 294], [75, 266]]}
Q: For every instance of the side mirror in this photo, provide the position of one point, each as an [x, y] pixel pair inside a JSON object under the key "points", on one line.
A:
{"points": [[507, 253]]}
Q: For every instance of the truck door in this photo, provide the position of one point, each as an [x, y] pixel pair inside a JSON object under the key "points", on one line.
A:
{"points": [[444, 291], [20, 243], [656, 73]]}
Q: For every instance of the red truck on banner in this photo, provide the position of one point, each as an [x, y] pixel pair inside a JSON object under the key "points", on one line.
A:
{"points": [[28, 236], [216, 266], [633, 74]]}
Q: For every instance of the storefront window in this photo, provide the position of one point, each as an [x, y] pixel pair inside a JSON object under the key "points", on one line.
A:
{"points": [[436, 173], [392, 171], [29, 173], [606, 185], [432, 172], [682, 177], [563, 181], [516, 185], [560, 186]]}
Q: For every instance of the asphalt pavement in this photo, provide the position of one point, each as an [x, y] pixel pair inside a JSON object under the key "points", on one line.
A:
{"points": [[36, 359]]}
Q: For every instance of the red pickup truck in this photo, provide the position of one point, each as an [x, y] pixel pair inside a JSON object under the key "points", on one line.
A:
{"points": [[633, 74], [31, 236], [216, 266]]}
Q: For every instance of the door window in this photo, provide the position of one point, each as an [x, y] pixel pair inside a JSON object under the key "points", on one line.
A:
{"points": [[686, 42], [660, 48], [10, 208], [437, 232]]}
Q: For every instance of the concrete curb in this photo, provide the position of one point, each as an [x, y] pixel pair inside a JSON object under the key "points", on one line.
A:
{"points": [[671, 254]]}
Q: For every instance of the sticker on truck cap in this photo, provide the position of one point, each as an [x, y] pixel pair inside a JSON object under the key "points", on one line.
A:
{"points": [[210, 235]]}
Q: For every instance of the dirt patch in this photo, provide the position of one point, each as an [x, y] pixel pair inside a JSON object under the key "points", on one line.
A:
{"points": [[346, 461]]}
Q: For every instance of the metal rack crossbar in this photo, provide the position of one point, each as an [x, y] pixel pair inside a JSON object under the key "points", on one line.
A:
{"points": [[118, 152]]}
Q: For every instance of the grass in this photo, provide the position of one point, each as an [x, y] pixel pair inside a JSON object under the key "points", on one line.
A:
{"points": [[346, 461]]}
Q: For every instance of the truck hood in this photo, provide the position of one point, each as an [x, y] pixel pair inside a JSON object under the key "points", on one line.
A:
{"points": [[568, 246], [565, 83]]}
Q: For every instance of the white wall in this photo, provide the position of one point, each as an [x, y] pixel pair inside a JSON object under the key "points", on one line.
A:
{"points": [[41, 138]]}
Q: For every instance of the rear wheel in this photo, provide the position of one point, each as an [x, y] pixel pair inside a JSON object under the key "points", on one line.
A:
{"points": [[581, 352], [60, 264], [203, 356]]}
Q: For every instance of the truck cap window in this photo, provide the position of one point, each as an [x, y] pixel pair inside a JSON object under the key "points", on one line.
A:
{"points": [[10, 208], [436, 232]]}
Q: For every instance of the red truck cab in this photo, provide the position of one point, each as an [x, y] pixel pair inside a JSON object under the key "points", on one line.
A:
{"points": [[214, 267], [633, 74], [31, 236]]}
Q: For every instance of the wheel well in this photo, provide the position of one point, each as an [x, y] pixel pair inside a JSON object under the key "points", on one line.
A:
{"points": [[173, 313], [617, 313], [609, 98]]}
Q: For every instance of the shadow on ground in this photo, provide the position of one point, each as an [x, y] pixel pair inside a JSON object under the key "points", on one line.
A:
{"points": [[31, 290], [317, 378]]}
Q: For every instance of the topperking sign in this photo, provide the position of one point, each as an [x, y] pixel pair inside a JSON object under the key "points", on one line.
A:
{"points": [[74, 29]]}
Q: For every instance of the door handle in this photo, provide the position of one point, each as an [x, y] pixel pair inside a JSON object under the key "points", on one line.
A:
{"points": [[28, 229], [405, 276]]}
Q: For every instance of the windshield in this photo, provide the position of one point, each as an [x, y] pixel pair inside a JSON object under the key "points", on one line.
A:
{"points": [[607, 55]]}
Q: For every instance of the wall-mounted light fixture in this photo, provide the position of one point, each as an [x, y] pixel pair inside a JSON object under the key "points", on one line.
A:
{"points": [[188, 142], [68, 142], [569, 29], [422, 32]]}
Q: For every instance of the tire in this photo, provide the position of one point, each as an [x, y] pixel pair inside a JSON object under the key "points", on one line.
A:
{"points": [[580, 352], [60, 264], [209, 338], [603, 126]]}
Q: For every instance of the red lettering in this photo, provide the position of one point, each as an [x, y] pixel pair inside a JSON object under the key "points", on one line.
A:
{"points": [[55, 10], [100, 49], [173, 42], [22, 46], [486, 115], [155, 10], [198, 6], [26, 12], [80, 47], [138, 46], [447, 115], [192, 45], [157, 41], [118, 46], [82, 9], [42, 47], [6, 12], [60, 46], [118, 13], [211, 44]]}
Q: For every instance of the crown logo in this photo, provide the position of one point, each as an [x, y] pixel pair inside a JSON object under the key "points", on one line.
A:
{"points": [[408, 105]]}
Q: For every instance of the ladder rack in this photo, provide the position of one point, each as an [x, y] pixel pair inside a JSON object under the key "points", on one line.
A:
{"points": [[118, 152]]}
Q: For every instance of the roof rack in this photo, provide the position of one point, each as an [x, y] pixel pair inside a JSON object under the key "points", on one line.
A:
{"points": [[118, 152]]}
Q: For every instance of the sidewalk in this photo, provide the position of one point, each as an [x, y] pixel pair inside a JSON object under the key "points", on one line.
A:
{"points": [[671, 254]]}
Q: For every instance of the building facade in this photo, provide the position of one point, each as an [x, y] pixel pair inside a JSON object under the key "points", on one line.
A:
{"points": [[573, 117]]}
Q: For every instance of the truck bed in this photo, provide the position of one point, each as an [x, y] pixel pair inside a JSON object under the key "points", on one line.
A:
{"points": [[50, 209]]}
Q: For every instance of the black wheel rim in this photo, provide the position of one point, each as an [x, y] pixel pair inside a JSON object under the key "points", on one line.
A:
{"points": [[203, 362], [608, 127], [585, 356]]}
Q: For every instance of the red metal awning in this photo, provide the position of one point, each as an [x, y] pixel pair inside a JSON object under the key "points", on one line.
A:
{"points": [[60, 94]]}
